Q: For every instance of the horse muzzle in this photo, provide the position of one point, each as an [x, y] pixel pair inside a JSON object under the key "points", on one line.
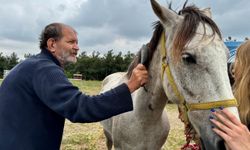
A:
{"points": [[217, 144]]}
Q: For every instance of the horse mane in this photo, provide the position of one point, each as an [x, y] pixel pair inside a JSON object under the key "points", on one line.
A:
{"points": [[185, 32], [158, 29]]}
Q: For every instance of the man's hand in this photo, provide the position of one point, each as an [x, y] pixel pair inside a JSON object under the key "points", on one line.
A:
{"points": [[138, 78]]}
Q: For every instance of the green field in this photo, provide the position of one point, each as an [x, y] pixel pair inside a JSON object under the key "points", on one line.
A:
{"points": [[90, 137]]}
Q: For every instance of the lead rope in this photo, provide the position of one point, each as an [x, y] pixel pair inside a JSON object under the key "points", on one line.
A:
{"points": [[190, 134]]}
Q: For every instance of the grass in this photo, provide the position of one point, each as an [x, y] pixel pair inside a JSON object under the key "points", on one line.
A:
{"points": [[88, 87], [86, 136], [89, 136]]}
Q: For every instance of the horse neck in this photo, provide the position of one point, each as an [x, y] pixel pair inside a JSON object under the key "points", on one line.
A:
{"points": [[152, 101]]}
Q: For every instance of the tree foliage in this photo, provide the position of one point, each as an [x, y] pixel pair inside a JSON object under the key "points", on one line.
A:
{"points": [[92, 67], [97, 67], [7, 62]]}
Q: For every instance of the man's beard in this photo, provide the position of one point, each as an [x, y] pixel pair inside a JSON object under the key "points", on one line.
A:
{"points": [[66, 58]]}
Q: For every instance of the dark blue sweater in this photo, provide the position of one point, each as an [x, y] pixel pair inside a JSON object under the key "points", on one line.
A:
{"points": [[36, 97]]}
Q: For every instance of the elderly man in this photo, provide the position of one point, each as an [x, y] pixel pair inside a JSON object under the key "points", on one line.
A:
{"points": [[36, 96]]}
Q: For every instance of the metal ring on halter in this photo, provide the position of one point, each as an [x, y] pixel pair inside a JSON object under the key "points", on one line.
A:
{"points": [[167, 60]]}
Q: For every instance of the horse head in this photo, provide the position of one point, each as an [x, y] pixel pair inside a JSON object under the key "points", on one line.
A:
{"points": [[194, 68]]}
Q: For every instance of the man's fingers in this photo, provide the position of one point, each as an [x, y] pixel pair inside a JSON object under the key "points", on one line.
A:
{"points": [[141, 67], [141, 73], [144, 81]]}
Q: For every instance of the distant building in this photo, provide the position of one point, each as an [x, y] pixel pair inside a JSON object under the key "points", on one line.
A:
{"points": [[232, 46], [77, 76]]}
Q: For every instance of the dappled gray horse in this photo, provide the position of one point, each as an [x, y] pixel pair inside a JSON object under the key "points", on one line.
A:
{"points": [[187, 65]]}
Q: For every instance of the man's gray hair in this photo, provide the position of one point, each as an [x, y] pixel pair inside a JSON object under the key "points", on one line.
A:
{"points": [[53, 30]]}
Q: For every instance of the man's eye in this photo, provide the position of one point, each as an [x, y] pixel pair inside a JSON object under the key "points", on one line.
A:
{"points": [[70, 41]]}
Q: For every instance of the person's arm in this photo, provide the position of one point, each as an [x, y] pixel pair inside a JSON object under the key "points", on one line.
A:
{"points": [[57, 93], [235, 134]]}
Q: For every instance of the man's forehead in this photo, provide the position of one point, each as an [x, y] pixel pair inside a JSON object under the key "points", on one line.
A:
{"points": [[68, 31]]}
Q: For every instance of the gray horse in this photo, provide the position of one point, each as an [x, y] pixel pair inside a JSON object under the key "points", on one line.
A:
{"points": [[188, 67]]}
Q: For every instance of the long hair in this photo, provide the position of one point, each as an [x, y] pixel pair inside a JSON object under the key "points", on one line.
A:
{"points": [[242, 81]]}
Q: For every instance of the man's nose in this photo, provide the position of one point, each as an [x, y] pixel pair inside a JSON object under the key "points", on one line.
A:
{"points": [[76, 47]]}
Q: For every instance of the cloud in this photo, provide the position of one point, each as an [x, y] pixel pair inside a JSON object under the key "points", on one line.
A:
{"points": [[103, 24], [230, 16], [111, 19], [22, 22]]}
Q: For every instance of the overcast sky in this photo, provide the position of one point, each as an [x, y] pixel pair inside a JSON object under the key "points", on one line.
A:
{"points": [[102, 25]]}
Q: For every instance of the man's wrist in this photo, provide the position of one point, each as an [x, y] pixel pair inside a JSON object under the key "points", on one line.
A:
{"points": [[130, 87]]}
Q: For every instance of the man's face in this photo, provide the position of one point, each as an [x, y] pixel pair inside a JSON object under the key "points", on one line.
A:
{"points": [[67, 47]]}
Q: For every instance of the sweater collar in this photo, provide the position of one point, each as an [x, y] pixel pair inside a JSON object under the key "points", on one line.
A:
{"points": [[47, 54]]}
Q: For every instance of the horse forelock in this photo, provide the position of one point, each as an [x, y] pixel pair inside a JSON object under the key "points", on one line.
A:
{"points": [[152, 45], [187, 30]]}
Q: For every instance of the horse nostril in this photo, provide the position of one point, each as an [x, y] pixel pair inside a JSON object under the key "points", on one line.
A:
{"points": [[221, 145], [202, 145], [217, 144]]}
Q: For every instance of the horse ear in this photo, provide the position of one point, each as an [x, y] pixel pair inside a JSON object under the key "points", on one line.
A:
{"points": [[207, 12], [166, 16]]}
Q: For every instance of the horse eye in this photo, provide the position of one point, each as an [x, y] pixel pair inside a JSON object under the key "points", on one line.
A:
{"points": [[188, 58]]}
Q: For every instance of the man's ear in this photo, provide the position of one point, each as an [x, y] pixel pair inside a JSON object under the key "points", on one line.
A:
{"points": [[51, 44]]}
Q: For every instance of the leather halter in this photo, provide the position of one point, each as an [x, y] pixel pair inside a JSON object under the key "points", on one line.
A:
{"points": [[183, 106]]}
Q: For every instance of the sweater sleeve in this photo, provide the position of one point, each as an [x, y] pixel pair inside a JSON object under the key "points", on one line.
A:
{"points": [[58, 94]]}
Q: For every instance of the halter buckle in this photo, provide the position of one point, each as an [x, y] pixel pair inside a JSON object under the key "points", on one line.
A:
{"points": [[167, 60]]}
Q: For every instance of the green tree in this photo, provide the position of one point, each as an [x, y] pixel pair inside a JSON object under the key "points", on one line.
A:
{"points": [[12, 60], [109, 62], [127, 60], [2, 64], [97, 67], [28, 55]]}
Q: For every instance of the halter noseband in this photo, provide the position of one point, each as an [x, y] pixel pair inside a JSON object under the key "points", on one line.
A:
{"points": [[183, 106]]}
